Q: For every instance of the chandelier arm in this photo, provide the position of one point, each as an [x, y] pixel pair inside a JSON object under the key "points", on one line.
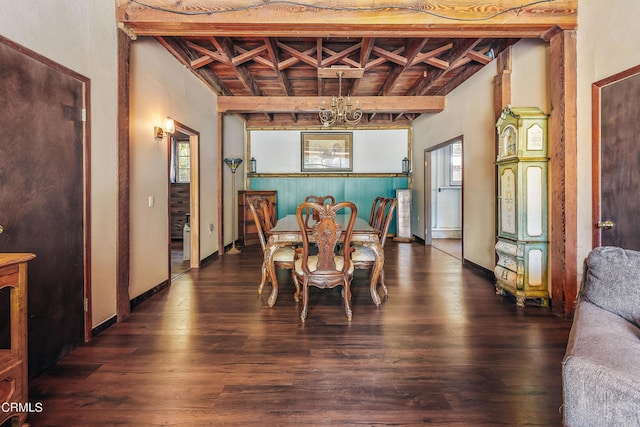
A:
{"points": [[341, 110]]}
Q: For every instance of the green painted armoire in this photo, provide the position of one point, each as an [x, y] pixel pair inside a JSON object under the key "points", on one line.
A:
{"points": [[522, 244]]}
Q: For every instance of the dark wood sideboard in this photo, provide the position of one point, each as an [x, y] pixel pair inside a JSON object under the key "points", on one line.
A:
{"points": [[180, 207], [14, 388], [247, 231]]}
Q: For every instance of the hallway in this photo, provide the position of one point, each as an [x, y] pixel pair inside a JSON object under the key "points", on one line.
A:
{"points": [[443, 349]]}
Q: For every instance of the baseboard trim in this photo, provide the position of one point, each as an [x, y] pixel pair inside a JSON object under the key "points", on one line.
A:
{"points": [[104, 326], [206, 260], [146, 295], [479, 269]]}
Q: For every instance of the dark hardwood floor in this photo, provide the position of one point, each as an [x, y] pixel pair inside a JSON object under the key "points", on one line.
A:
{"points": [[451, 246], [178, 264], [443, 349]]}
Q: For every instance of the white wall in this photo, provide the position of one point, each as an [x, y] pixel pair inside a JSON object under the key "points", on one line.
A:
{"points": [[469, 112], [607, 44], [374, 150], [161, 87], [81, 35], [471, 117]]}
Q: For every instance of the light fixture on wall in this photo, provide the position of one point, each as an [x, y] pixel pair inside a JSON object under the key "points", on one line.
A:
{"points": [[406, 165], [341, 111], [168, 128], [253, 165], [233, 164]]}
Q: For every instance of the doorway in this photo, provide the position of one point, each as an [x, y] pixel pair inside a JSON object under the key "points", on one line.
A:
{"points": [[443, 197], [184, 242]]}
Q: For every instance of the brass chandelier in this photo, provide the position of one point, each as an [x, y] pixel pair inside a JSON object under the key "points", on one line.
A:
{"points": [[341, 111]]}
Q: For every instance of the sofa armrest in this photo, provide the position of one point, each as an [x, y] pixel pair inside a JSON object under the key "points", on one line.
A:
{"points": [[601, 370], [612, 281]]}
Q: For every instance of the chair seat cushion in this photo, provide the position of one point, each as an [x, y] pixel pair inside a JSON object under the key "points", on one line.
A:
{"points": [[313, 261], [284, 254], [362, 253]]}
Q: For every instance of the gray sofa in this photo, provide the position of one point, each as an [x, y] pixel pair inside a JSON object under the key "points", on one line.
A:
{"points": [[601, 367]]}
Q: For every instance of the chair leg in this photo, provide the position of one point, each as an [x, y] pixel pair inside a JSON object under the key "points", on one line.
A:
{"points": [[296, 296], [347, 299], [381, 280], [264, 278], [305, 300]]}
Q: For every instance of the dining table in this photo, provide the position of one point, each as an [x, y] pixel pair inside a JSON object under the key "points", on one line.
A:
{"points": [[286, 232]]}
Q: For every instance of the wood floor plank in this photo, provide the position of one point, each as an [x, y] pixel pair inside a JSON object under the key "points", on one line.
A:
{"points": [[442, 349]]}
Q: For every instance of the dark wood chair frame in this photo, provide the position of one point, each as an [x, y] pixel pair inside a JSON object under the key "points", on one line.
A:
{"points": [[263, 216], [384, 209], [322, 270], [374, 216]]}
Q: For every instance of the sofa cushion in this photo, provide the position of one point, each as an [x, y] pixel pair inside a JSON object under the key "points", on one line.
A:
{"points": [[612, 281]]}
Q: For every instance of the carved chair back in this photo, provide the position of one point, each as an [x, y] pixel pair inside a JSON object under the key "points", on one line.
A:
{"points": [[321, 200], [263, 212]]}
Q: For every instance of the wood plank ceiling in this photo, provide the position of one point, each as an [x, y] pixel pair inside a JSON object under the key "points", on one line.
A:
{"points": [[274, 62]]}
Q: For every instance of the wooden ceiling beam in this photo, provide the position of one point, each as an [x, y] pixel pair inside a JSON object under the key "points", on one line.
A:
{"points": [[438, 63], [182, 53], [226, 46], [343, 59], [479, 56], [347, 72], [311, 104], [316, 18], [201, 62], [258, 59], [247, 55], [365, 53], [422, 85], [293, 60], [381, 59], [335, 57], [423, 57], [414, 46], [390, 56], [272, 50], [214, 55], [320, 81], [301, 56]]}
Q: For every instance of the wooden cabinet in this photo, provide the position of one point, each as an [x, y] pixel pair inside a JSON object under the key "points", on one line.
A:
{"points": [[13, 360], [180, 208], [522, 244], [247, 231]]}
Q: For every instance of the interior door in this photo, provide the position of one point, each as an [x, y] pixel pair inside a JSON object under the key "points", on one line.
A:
{"points": [[617, 152], [42, 195]]}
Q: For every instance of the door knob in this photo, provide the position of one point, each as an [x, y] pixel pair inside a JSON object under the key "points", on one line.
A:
{"points": [[606, 224], [1, 229]]}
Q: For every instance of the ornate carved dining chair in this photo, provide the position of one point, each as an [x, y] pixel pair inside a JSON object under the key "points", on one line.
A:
{"points": [[364, 257], [263, 212], [326, 269]]}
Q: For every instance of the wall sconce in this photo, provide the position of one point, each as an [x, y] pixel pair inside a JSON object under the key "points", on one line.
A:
{"points": [[168, 128], [406, 165], [252, 165]]}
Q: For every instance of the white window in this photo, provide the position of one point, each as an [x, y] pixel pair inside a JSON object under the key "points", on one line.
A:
{"points": [[180, 161], [455, 164]]}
